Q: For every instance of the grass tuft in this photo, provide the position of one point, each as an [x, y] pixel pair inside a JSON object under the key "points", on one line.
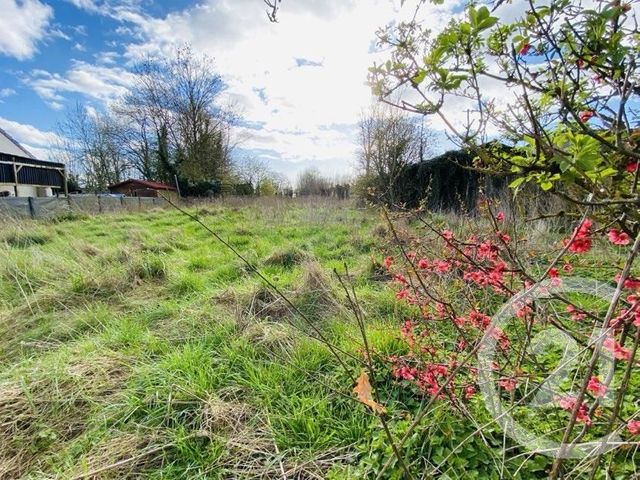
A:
{"points": [[288, 258]]}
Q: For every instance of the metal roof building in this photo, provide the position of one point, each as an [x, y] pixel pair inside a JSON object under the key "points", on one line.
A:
{"points": [[22, 175]]}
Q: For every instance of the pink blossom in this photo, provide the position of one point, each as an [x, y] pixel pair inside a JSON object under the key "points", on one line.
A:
{"points": [[596, 387], [509, 384], [581, 240], [568, 403], [586, 115], [634, 427], [469, 392], [619, 352], [618, 238], [423, 264], [442, 266]]}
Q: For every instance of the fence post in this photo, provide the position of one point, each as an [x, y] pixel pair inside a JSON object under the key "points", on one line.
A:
{"points": [[139, 204], [32, 210], [99, 205]]}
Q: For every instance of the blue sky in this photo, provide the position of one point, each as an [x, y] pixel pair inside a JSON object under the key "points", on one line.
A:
{"points": [[300, 84]]}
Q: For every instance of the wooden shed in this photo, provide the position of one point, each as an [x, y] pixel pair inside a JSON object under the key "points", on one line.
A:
{"points": [[143, 188]]}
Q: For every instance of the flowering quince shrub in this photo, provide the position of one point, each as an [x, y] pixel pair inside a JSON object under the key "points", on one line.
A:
{"points": [[564, 90], [550, 92], [454, 282]]}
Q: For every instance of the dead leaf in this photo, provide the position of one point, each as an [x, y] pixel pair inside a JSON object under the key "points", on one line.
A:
{"points": [[363, 390]]}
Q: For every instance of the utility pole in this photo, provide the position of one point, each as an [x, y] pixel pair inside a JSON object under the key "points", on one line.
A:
{"points": [[175, 178]]}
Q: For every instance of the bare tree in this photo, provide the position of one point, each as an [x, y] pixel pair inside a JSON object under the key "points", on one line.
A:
{"points": [[178, 99], [252, 170], [312, 182], [272, 10], [389, 141], [92, 147]]}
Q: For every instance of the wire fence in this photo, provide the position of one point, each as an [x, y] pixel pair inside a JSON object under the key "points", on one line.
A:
{"points": [[48, 207]]}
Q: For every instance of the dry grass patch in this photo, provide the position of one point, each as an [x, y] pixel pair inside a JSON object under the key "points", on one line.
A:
{"points": [[51, 405]]}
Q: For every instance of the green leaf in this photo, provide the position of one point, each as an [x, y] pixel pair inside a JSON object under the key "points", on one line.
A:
{"points": [[419, 77], [546, 185], [517, 182]]}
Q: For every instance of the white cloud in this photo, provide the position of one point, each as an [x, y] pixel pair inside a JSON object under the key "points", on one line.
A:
{"points": [[297, 78], [23, 24], [302, 80], [6, 92], [94, 81], [40, 143]]}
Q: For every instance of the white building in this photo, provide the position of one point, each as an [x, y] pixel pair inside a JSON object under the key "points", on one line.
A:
{"points": [[22, 175]]}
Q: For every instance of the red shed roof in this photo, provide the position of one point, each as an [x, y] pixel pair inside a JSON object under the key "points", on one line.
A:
{"points": [[144, 184]]}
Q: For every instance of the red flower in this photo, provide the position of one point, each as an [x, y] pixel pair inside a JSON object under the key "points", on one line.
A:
{"points": [[500, 216], [567, 267], [581, 242], [580, 63], [470, 392], [634, 427], [553, 273], [442, 266], [447, 235], [632, 167], [398, 277], [618, 238], [403, 294], [406, 373], [569, 403], [596, 387], [525, 48], [619, 352], [630, 283], [388, 261], [504, 237], [411, 255], [423, 263], [509, 384], [586, 115]]}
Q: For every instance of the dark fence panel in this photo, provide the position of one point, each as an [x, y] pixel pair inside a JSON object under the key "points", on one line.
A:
{"points": [[48, 207]]}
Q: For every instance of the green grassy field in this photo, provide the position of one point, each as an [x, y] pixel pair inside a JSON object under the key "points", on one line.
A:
{"points": [[138, 345]]}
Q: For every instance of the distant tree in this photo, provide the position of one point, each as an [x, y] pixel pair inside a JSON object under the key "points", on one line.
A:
{"points": [[252, 170], [92, 148], [267, 187], [311, 182], [181, 126], [389, 141], [139, 140]]}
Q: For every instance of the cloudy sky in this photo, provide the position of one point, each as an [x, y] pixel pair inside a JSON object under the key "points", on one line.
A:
{"points": [[300, 83]]}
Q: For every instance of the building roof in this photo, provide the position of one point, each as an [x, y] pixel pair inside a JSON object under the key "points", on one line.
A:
{"points": [[145, 184], [10, 146]]}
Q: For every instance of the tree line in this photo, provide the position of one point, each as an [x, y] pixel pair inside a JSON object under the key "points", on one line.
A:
{"points": [[170, 126]]}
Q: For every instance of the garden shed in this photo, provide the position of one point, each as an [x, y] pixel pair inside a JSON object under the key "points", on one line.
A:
{"points": [[143, 188]]}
